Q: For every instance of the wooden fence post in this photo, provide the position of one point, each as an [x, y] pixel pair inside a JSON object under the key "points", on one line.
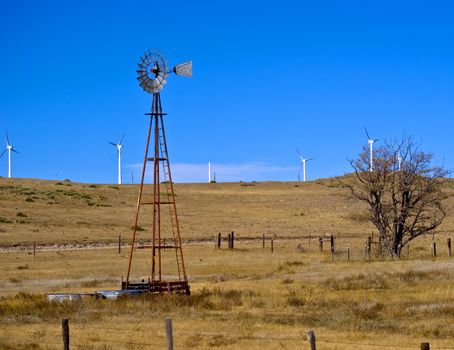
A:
{"points": [[348, 252], [119, 243], [332, 247], [233, 240], [434, 249], [425, 346], [368, 246], [34, 248], [228, 240], [311, 339], [320, 242], [272, 245], [65, 333], [263, 241], [449, 246], [219, 240], [169, 333]]}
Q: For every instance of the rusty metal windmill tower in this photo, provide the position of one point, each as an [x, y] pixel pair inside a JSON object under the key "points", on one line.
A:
{"points": [[167, 275]]}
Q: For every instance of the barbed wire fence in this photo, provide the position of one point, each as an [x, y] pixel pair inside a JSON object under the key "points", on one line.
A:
{"points": [[79, 336]]}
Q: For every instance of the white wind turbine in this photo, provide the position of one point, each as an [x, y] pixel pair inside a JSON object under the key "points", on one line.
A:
{"points": [[209, 172], [119, 146], [371, 142], [399, 161], [10, 149], [303, 163]]}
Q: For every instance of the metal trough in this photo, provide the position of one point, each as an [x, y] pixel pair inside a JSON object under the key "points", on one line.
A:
{"points": [[65, 297]]}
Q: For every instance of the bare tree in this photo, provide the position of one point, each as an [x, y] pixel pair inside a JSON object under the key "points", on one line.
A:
{"points": [[404, 192]]}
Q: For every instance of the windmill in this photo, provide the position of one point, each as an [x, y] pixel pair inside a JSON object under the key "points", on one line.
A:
{"points": [[118, 146], [303, 164], [10, 149], [165, 236], [371, 142]]}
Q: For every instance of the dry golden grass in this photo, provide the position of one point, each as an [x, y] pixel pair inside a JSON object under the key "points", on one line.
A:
{"points": [[246, 298]]}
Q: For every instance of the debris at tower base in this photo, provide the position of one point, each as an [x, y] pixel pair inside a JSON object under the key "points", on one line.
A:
{"points": [[158, 287]]}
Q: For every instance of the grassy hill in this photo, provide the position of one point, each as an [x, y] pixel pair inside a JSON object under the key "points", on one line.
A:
{"points": [[62, 212]]}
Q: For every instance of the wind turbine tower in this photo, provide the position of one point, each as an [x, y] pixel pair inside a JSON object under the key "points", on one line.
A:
{"points": [[209, 172], [118, 146], [371, 142], [399, 161], [303, 163], [10, 149]]}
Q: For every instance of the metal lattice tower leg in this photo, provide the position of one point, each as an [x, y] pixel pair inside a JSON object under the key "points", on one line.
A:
{"points": [[163, 197]]}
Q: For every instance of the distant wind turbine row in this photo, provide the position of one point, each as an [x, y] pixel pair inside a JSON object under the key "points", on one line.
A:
{"points": [[370, 141], [119, 145]]}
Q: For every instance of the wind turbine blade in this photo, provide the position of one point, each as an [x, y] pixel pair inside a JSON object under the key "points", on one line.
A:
{"points": [[121, 139], [12, 149], [298, 152], [376, 140], [367, 134], [7, 138], [1, 155], [308, 159], [113, 144]]}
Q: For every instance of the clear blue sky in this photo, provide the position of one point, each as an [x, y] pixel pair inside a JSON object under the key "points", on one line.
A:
{"points": [[268, 77]]}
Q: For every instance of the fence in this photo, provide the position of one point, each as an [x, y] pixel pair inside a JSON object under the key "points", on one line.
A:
{"points": [[75, 336], [371, 247]]}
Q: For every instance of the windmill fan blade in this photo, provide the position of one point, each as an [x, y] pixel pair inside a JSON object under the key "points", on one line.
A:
{"points": [[367, 134], [150, 83], [143, 79], [7, 138], [143, 61], [113, 144], [121, 140], [141, 65], [1, 155], [12, 149], [297, 151], [308, 159]]}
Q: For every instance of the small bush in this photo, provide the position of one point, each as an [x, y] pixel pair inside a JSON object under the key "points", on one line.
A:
{"points": [[295, 300], [21, 215], [5, 220]]}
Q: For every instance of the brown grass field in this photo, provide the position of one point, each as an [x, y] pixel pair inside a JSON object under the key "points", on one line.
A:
{"points": [[245, 298]]}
